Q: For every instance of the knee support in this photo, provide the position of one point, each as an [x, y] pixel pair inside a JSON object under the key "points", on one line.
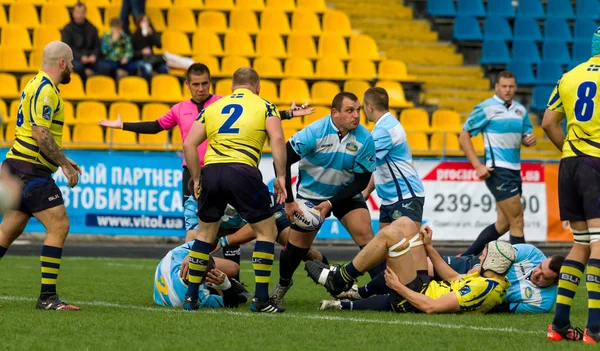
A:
{"points": [[400, 248], [583, 237], [416, 240]]}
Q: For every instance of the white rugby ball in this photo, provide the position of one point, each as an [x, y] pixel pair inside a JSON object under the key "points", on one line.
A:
{"points": [[311, 220]]}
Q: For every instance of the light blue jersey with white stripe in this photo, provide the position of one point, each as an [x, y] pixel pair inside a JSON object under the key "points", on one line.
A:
{"points": [[395, 178], [502, 128], [329, 161]]}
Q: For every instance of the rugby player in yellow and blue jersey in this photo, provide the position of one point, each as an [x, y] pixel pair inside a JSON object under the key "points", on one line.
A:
{"points": [[35, 154]]}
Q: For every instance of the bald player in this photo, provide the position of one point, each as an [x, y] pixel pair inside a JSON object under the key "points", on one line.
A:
{"points": [[35, 154]]}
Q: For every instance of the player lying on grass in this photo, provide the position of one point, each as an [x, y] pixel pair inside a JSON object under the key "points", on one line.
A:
{"points": [[410, 287]]}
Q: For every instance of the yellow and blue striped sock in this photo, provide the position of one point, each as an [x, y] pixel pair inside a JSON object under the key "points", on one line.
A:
{"points": [[592, 283], [348, 273], [2, 251], [569, 278], [199, 256], [262, 262], [50, 261]]}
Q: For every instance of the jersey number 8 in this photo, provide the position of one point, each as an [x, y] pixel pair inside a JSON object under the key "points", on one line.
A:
{"points": [[20, 112], [235, 112], [584, 106]]}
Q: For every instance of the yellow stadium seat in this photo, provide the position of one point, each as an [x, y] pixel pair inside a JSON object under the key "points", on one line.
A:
{"points": [[268, 91], [417, 141], [320, 112], [211, 62], [69, 113], [232, 63], [298, 67], [13, 60], [395, 93], [330, 68], [333, 45], [8, 86], [176, 43], [185, 91], [213, 21], [181, 19], [134, 88], [176, 141], [23, 15], [313, 5], [14, 109], [69, 3], [446, 121], [92, 14], [223, 87], [73, 90], [219, 4], [270, 44], [337, 22], [322, 93], [190, 4], [243, 20], [361, 69], [363, 47], [4, 110], [88, 135], [478, 143], [415, 119], [121, 139], [42, 35], [159, 4], [166, 88], [128, 111], [274, 21], [206, 43], [157, 19], [294, 123], [301, 45], [538, 132], [97, 3], [153, 111], [394, 70], [357, 87], [156, 141], [450, 144], [101, 88], [283, 5], [257, 5], [306, 21], [3, 18], [55, 15], [291, 89], [268, 67], [35, 60], [90, 112], [10, 131], [14, 36], [238, 44], [110, 12]]}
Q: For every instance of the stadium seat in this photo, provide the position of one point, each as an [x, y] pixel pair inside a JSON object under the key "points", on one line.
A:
{"points": [[584, 27], [588, 9], [298, 67], [446, 121], [418, 141], [268, 67], [35, 60], [176, 138], [97, 3], [363, 47], [357, 87], [23, 15], [337, 22], [111, 12], [497, 28], [134, 88], [88, 135], [330, 68], [441, 8], [219, 5], [4, 111], [15, 37], [55, 15], [231, 63], [292, 89], [14, 109], [8, 86], [395, 93], [238, 44], [25, 79], [256, 5], [494, 52], [415, 119], [10, 131], [333, 45], [73, 90], [445, 142], [283, 5], [549, 72], [274, 21], [582, 50], [270, 44], [320, 112], [502, 8], [223, 87], [92, 14], [322, 92], [313, 5], [394, 70], [541, 94], [301, 45], [128, 111], [362, 69], [306, 21], [42, 35], [268, 91], [472, 8], [101, 88], [181, 19], [190, 4], [212, 20], [13, 60], [165, 88], [159, 4], [90, 112], [156, 141], [557, 29], [525, 50], [531, 8], [527, 28], [556, 51], [177, 43], [3, 20], [211, 62], [153, 111], [522, 71], [560, 9], [243, 20], [68, 111], [206, 43], [294, 123], [467, 29]]}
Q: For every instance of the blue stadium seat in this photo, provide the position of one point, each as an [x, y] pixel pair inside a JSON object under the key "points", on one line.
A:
{"points": [[557, 29], [497, 28], [467, 29], [494, 52], [441, 8], [582, 50], [541, 94], [472, 8], [502, 8], [531, 8], [588, 9], [560, 9], [525, 50], [584, 28], [523, 72], [527, 28], [556, 51], [549, 72]]}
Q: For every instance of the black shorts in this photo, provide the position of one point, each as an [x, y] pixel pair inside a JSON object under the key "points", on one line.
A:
{"points": [[504, 183], [40, 192], [411, 208], [340, 211], [400, 304], [236, 184], [185, 181], [579, 188]]}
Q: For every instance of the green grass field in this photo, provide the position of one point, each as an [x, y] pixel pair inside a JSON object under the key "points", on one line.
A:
{"points": [[118, 313]]}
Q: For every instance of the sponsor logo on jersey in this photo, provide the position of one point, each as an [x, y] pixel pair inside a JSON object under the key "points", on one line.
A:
{"points": [[351, 146]]}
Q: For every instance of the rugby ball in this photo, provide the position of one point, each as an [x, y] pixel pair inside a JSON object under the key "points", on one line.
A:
{"points": [[311, 220]]}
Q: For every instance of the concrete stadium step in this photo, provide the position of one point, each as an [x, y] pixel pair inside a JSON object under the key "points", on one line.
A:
{"points": [[463, 107], [468, 83], [395, 30], [422, 54], [459, 94], [460, 71], [380, 9]]}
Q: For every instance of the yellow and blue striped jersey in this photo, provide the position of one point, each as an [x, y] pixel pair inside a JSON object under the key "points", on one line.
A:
{"points": [[474, 292], [236, 128], [42, 106], [576, 95]]}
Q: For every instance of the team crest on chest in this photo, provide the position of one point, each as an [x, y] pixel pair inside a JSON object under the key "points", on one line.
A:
{"points": [[351, 146]]}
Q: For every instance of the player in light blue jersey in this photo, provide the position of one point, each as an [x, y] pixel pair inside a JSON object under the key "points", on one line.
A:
{"points": [[337, 158], [505, 126]]}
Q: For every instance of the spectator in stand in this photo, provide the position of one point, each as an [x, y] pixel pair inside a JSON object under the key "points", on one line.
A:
{"points": [[143, 40], [83, 39], [118, 52], [135, 8]]}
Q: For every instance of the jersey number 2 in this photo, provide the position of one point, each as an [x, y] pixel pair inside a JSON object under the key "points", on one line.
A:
{"points": [[20, 117], [584, 106], [234, 111]]}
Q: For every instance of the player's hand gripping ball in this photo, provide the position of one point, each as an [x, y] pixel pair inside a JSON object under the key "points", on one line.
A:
{"points": [[311, 220]]}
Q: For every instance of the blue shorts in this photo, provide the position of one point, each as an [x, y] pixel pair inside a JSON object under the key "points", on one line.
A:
{"points": [[461, 264], [504, 183], [411, 208]]}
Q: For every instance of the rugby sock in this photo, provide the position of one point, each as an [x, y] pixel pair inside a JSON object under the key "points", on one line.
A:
{"points": [[373, 303], [289, 260], [4, 249], [50, 261], [517, 240], [262, 262], [592, 283], [569, 278], [488, 234], [233, 253], [347, 273], [374, 272], [199, 256], [375, 287]]}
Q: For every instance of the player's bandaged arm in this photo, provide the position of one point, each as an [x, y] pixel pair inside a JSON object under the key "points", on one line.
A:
{"points": [[445, 304], [358, 184], [292, 157], [440, 266], [48, 146], [143, 127], [551, 125]]}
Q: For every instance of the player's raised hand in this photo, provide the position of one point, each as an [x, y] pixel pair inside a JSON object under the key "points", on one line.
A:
{"points": [[291, 209], [279, 187], [427, 234], [483, 172], [529, 140], [302, 110], [324, 207], [184, 270], [117, 123]]}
